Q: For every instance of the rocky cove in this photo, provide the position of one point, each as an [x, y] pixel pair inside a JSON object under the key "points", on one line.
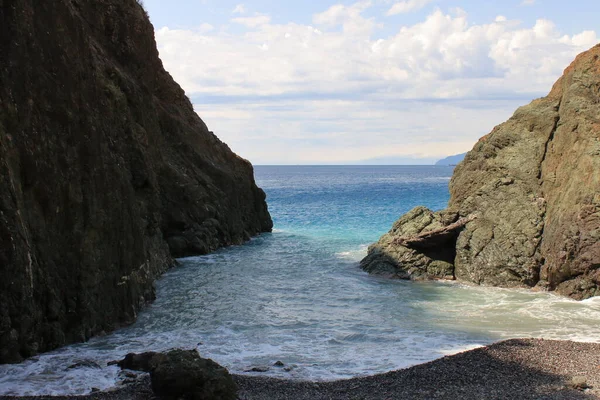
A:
{"points": [[108, 174]]}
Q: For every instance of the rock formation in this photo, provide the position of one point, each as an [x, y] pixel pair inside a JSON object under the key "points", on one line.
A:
{"points": [[183, 374], [106, 172], [532, 189]]}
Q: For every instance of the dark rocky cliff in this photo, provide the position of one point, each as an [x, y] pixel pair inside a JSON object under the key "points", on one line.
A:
{"points": [[532, 190], [106, 172]]}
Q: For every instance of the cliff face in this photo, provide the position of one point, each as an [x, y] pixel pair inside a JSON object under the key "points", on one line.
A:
{"points": [[106, 172], [532, 189]]}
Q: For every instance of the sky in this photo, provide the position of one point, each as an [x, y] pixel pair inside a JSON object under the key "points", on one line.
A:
{"points": [[368, 81]]}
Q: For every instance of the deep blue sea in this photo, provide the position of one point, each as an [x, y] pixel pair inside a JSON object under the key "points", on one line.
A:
{"points": [[297, 295]]}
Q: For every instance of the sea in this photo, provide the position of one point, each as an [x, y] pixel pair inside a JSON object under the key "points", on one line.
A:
{"points": [[297, 295]]}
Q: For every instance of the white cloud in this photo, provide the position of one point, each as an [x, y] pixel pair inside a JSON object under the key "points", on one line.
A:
{"points": [[253, 22], [239, 9], [407, 6], [342, 131], [293, 87], [349, 17], [528, 2], [205, 28]]}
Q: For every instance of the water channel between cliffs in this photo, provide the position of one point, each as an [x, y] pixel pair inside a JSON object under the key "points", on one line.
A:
{"points": [[298, 296]]}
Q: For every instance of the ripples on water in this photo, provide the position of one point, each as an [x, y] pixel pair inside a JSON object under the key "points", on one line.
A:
{"points": [[298, 296]]}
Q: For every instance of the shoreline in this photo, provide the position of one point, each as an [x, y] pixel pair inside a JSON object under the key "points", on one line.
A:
{"points": [[510, 369]]}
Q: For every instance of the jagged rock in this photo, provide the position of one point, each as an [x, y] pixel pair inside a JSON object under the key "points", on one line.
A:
{"points": [[389, 258], [106, 173], [534, 184]]}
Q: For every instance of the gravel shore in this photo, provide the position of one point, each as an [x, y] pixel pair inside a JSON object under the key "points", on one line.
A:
{"points": [[513, 369]]}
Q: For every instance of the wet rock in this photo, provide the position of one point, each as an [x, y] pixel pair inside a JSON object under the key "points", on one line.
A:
{"points": [[84, 364], [278, 364], [258, 369]]}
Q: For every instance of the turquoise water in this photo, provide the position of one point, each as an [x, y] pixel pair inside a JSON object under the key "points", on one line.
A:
{"points": [[298, 296], [349, 205]]}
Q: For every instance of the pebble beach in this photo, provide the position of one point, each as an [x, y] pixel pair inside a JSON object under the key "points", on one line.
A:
{"points": [[512, 369]]}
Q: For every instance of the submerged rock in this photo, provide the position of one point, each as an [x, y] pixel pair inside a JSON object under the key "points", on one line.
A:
{"points": [[106, 173], [534, 185]]}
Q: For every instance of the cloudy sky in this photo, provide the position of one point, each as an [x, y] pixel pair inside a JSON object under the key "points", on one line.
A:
{"points": [[369, 81]]}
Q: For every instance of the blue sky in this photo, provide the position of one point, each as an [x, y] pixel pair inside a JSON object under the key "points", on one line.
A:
{"points": [[378, 81]]}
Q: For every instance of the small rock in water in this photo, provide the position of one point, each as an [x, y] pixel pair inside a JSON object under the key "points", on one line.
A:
{"points": [[95, 389], [84, 364], [279, 364], [258, 369], [288, 369]]}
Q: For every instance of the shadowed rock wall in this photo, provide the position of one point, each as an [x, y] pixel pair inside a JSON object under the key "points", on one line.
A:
{"points": [[106, 172]]}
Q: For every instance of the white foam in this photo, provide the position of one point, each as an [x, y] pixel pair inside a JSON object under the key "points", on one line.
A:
{"points": [[354, 255], [252, 306]]}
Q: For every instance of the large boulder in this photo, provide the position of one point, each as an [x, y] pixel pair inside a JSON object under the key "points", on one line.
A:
{"points": [[106, 173], [183, 374], [534, 185], [393, 258]]}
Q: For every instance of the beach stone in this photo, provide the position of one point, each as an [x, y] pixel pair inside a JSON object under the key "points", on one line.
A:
{"points": [[279, 364], [184, 374], [579, 383]]}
